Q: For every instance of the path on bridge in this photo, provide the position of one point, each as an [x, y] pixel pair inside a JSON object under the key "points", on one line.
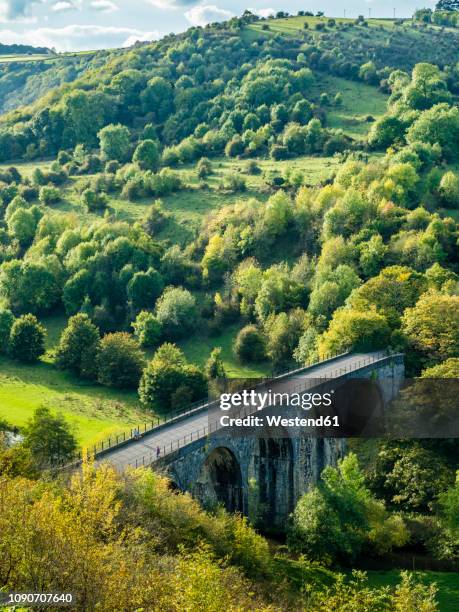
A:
{"points": [[187, 429]]}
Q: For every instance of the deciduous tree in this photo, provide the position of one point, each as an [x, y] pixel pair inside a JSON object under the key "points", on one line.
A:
{"points": [[49, 438], [115, 142], [120, 361], [27, 339], [78, 346]]}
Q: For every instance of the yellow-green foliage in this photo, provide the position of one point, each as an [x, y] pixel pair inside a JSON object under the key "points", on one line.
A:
{"points": [[127, 542], [180, 521], [354, 594]]}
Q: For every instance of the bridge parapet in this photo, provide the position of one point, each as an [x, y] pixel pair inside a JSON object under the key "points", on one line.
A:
{"points": [[338, 366], [262, 478], [265, 478]]}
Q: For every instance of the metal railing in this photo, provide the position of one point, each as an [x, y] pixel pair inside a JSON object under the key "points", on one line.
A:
{"points": [[175, 445], [147, 427], [142, 428]]}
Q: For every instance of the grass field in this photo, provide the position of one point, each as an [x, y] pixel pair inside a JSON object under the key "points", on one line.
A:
{"points": [[54, 326], [188, 207], [94, 412], [26, 168], [23, 58], [359, 102], [198, 352], [48, 57], [294, 25], [447, 584]]}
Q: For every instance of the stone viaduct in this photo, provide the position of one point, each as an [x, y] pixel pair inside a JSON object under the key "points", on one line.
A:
{"points": [[263, 477]]}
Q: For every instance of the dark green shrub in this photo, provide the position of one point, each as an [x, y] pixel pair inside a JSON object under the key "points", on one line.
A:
{"points": [[27, 339]]}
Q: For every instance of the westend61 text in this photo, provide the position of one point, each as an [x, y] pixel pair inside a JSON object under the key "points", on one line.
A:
{"points": [[278, 421]]}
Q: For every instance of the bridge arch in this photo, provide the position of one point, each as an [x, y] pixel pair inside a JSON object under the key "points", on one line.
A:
{"points": [[265, 478], [173, 483], [275, 477], [222, 475], [173, 486], [359, 403]]}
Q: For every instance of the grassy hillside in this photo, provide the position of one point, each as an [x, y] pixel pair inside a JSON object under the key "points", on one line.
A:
{"points": [[93, 413], [51, 58], [188, 208], [25, 77], [361, 105], [387, 42], [33, 57]]}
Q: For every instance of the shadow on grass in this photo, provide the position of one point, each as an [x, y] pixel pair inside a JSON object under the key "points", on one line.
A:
{"points": [[48, 376]]}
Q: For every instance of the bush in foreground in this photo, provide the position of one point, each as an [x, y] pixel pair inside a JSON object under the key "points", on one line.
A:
{"points": [[128, 542]]}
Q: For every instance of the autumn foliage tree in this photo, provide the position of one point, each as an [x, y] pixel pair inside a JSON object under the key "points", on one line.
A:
{"points": [[432, 327], [354, 330]]}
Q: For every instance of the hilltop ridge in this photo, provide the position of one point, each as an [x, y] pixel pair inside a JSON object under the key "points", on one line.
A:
{"points": [[203, 69]]}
